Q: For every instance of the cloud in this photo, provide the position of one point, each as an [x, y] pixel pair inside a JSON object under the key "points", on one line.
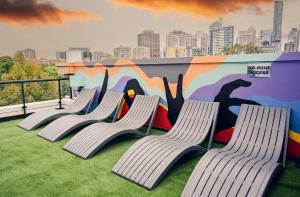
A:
{"points": [[34, 13], [200, 8]]}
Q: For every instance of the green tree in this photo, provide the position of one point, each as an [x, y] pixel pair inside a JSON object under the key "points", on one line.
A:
{"points": [[238, 49], [6, 64], [26, 70]]}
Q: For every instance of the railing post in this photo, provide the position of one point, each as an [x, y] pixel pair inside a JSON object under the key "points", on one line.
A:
{"points": [[23, 99], [59, 94]]}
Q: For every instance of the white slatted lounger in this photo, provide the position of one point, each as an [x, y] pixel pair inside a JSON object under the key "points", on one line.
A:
{"points": [[59, 128], [244, 167], [37, 119], [89, 140], [149, 159]]}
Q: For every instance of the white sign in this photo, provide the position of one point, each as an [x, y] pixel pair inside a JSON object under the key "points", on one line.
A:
{"points": [[259, 70]]}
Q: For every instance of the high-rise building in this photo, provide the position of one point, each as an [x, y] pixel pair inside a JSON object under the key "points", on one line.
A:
{"points": [[277, 24], [202, 44], [141, 53], [61, 56], [220, 37], [122, 52], [180, 44], [246, 37], [293, 40], [228, 36], [78, 54], [266, 37], [150, 40], [29, 54], [290, 47]]}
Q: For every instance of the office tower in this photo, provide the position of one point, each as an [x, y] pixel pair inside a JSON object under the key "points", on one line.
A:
{"points": [[180, 44], [277, 24], [61, 56], [78, 54], [293, 39], [228, 36], [29, 54], [141, 53], [122, 52], [266, 37], [150, 40], [290, 47], [247, 37], [202, 44], [220, 37]]}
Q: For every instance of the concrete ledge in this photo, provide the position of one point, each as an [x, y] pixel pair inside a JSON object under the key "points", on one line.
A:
{"points": [[16, 110]]}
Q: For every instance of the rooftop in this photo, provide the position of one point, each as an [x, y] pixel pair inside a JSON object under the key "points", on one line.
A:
{"points": [[31, 166]]}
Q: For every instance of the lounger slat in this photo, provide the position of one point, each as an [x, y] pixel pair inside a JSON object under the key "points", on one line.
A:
{"points": [[149, 159]]}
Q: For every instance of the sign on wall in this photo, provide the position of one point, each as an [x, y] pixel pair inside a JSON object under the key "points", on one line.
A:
{"points": [[259, 70]]}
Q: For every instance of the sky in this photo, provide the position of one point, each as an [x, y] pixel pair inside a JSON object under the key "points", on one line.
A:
{"points": [[54, 25]]}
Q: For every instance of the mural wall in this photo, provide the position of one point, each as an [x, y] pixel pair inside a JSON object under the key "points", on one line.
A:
{"points": [[219, 78]]}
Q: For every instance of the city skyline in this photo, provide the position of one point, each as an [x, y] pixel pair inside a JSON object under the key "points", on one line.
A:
{"points": [[129, 20]]}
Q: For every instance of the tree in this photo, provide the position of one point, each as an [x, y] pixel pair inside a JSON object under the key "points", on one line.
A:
{"points": [[6, 64], [25, 70], [238, 49]]}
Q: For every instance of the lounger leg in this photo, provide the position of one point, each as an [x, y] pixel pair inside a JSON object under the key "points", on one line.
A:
{"points": [[286, 137], [213, 128], [152, 119], [117, 111]]}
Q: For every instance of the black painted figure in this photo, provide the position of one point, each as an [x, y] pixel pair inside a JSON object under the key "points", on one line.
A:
{"points": [[174, 104], [104, 87], [226, 117], [131, 89]]}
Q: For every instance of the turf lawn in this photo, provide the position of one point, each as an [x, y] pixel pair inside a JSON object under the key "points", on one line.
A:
{"points": [[32, 166]]}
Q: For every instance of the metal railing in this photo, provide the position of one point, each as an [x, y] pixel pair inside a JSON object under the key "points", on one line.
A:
{"points": [[22, 92]]}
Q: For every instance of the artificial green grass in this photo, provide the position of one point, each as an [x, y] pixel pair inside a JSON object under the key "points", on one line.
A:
{"points": [[32, 166]]}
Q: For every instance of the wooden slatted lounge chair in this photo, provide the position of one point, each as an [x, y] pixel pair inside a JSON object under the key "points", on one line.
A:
{"points": [[244, 167], [149, 159], [64, 125], [89, 140], [37, 119]]}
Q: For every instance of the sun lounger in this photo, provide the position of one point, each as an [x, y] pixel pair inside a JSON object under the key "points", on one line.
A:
{"points": [[57, 129], [245, 166], [89, 140], [149, 159]]}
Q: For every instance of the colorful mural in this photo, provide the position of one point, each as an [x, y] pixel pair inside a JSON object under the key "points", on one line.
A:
{"points": [[219, 78]]}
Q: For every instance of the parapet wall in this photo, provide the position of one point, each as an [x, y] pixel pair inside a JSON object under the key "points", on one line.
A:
{"points": [[218, 78]]}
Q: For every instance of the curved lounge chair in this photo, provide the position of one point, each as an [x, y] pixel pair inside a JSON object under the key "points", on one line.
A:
{"points": [[57, 129], [37, 119], [244, 167], [149, 159], [89, 140]]}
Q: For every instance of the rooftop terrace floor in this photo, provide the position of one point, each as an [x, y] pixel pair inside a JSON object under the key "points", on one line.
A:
{"points": [[31, 166]]}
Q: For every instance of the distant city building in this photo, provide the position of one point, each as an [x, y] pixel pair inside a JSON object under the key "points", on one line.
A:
{"points": [[122, 52], [269, 49], [290, 47], [29, 54], [247, 37], [228, 36], [78, 55], [266, 37], [98, 56], [180, 44], [293, 41], [141, 52], [277, 24], [202, 44], [61, 56], [151, 40], [220, 37]]}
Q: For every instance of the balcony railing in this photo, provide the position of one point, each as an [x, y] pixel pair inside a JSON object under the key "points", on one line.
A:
{"points": [[22, 89]]}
